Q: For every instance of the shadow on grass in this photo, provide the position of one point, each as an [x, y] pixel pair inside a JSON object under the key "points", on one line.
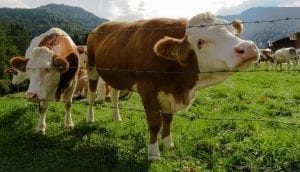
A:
{"points": [[86, 148]]}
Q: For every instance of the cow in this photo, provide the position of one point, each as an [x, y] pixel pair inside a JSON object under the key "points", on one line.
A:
{"points": [[285, 55], [52, 67], [166, 61], [265, 55], [18, 76], [103, 89]]}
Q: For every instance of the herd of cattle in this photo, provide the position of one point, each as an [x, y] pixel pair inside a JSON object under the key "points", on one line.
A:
{"points": [[283, 55], [164, 60]]}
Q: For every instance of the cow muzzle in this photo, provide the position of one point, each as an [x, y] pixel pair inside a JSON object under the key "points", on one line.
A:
{"points": [[32, 97], [245, 53]]}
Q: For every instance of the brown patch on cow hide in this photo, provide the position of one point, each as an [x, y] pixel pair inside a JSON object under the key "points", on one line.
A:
{"points": [[19, 62], [67, 77], [49, 41]]}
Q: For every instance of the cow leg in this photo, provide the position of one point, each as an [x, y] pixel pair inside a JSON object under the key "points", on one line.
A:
{"points": [[101, 90], [154, 124], [114, 96], [41, 127], [68, 117], [166, 132], [288, 65], [154, 120], [67, 99], [91, 99]]}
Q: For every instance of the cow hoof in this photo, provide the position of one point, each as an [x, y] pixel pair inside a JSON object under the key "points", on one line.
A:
{"points": [[69, 127], [168, 142], [40, 131], [153, 157], [117, 118], [153, 152]]}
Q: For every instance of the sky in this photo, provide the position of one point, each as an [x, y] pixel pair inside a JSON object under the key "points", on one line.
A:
{"points": [[128, 10]]}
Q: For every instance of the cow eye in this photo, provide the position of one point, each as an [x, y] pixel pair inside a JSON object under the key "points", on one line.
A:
{"points": [[15, 73], [200, 43], [47, 69]]}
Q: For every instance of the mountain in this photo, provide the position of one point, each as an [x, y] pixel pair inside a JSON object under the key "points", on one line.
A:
{"points": [[73, 20], [262, 32], [76, 14]]}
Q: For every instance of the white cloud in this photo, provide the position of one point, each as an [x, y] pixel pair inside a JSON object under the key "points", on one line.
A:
{"points": [[246, 4], [138, 9], [13, 4]]}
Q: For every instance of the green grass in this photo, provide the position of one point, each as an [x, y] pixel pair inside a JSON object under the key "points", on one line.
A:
{"points": [[221, 144]]}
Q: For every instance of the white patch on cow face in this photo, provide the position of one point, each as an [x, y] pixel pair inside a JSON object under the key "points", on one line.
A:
{"points": [[213, 45], [43, 77], [18, 76]]}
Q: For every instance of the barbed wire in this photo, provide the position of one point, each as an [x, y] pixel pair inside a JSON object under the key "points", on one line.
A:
{"points": [[168, 72], [191, 117], [174, 28]]}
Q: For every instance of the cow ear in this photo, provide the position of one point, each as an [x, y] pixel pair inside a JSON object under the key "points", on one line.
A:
{"points": [[238, 26], [80, 49], [60, 64], [173, 49], [19, 63]]}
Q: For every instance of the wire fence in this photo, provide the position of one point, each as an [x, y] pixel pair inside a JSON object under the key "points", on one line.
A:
{"points": [[192, 26], [190, 117]]}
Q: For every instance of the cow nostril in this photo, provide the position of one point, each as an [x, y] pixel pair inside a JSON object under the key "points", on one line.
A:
{"points": [[239, 51]]}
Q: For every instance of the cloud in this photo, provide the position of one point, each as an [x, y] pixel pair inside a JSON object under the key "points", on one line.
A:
{"points": [[246, 4], [13, 4], [138, 9]]}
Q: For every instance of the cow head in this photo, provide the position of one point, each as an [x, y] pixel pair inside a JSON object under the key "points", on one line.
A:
{"points": [[215, 42], [18, 69], [44, 70], [82, 56]]}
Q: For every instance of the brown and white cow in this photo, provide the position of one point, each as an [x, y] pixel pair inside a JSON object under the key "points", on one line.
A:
{"points": [[18, 76], [166, 61], [265, 55], [51, 65], [285, 55]]}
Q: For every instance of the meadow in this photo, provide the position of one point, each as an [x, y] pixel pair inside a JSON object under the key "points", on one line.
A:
{"points": [[250, 122]]}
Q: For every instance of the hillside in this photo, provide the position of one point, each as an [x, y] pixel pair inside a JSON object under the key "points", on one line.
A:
{"points": [[38, 20], [262, 32], [76, 14]]}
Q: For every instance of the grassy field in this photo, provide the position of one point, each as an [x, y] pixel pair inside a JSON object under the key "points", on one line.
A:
{"points": [[250, 122]]}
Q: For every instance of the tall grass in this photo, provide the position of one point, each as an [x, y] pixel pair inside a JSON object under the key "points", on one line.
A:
{"points": [[200, 144]]}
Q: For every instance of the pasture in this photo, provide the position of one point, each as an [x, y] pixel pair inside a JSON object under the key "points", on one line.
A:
{"points": [[250, 122]]}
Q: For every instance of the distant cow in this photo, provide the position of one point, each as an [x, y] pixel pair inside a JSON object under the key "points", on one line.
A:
{"points": [[166, 61], [265, 55], [103, 89], [52, 66], [285, 55]]}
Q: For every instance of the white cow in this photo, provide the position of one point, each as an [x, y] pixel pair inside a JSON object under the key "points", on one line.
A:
{"points": [[285, 55]]}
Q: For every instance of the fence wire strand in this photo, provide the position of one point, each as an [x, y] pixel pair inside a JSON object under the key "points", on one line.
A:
{"points": [[190, 117], [174, 28]]}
